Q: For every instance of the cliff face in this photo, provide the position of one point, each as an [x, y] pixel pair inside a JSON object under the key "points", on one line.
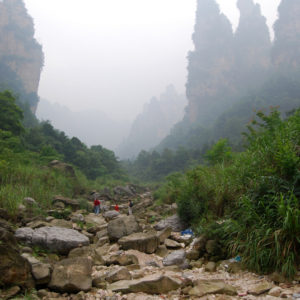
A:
{"points": [[224, 65], [286, 50], [154, 123], [19, 51], [210, 63], [252, 46]]}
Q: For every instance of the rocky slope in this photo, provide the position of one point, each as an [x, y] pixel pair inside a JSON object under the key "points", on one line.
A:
{"points": [[116, 256], [20, 54]]}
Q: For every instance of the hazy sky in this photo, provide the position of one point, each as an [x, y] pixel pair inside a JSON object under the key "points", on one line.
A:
{"points": [[114, 55]]}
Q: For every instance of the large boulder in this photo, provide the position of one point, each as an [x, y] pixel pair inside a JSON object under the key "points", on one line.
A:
{"points": [[174, 222], [87, 251], [144, 242], [120, 273], [111, 214], [40, 271], [74, 204], [93, 220], [122, 226], [14, 269], [72, 275], [58, 165], [152, 284], [55, 239], [213, 286], [177, 257]]}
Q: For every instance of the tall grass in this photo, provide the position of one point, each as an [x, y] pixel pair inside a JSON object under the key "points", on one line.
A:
{"points": [[257, 192], [41, 183]]}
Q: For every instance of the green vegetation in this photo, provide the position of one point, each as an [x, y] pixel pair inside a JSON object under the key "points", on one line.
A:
{"points": [[255, 193], [25, 154]]}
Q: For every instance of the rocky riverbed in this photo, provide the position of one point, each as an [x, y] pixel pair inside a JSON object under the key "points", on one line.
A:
{"points": [[115, 256]]}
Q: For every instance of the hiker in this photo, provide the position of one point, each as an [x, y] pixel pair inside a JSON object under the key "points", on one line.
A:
{"points": [[117, 208], [130, 204], [97, 206]]}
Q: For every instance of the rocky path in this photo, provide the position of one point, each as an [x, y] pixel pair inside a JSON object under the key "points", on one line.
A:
{"points": [[115, 256]]}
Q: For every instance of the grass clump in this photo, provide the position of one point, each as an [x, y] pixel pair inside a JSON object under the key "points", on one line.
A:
{"points": [[255, 193]]}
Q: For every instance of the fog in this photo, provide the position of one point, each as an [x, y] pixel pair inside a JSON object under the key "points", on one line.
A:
{"points": [[113, 56]]}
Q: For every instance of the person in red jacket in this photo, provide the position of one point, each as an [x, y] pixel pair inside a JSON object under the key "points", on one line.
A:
{"points": [[117, 208], [97, 206]]}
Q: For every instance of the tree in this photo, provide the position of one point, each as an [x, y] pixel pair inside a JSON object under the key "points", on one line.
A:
{"points": [[10, 114]]}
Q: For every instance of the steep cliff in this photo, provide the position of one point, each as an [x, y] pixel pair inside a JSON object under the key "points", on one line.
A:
{"points": [[21, 57], [154, 123], [252, 47], [210, 65], [286, 50]]}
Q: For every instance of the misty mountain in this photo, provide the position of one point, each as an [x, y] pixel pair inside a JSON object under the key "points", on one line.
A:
{"points": [[230, 75], [91, 127], [154, 123], [21, 56]]}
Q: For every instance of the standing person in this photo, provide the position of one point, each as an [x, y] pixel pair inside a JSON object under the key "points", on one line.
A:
{"points": [[130, 204], [117, 208], [97, 206]]}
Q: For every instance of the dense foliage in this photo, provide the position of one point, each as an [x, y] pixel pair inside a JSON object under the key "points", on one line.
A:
{"points": [[255, 193], [25, 154]]}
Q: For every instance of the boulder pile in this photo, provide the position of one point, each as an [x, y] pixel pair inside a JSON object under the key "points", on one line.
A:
{"points": [[116, 256]]}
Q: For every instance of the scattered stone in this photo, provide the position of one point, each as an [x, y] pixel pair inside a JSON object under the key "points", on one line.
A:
{"points": [[121, 273], [30, 202], [14, 269], [61, 223], [72, 275], [205, 287], [175, 258], [122, 226], [164, 234], [172, 244], [174, 222], [210, 267], [162, 251], [68, 169], [275, 291], [10, 293], [87, 251], [77, 218], [152, 284], [55, 239], [260, 288], [110, 215], [144, 242]]}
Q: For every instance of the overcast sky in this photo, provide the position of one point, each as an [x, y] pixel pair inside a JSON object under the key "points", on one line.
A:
{"points": [[114, 55]]}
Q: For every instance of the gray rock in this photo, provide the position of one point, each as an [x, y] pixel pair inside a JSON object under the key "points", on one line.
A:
{"points": [[177, 257], [14, 269], [72, 275], [74, 204], [210, 266], [55, 239], [152, 284], [29, 202], [164, 234], [144, 242], [174, 222], [111, 214], [77, 218], [172, 244], [120, 273], [122, 226], [214, 286]]}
